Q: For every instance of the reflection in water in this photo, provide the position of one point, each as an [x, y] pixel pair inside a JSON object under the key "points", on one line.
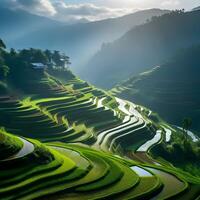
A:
{"points": [[172, 185], [141, 172]]}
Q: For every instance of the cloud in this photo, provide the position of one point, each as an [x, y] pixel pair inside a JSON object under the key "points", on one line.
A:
{"points": [[87, 11], [39, 7], [67, 12], [170, 3]]}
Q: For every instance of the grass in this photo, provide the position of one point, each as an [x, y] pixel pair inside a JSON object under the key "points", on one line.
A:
{"points": [[9, 145], [146, 188], [78, 170], [114, 184], [46, 164], [61, 112], [114, 174]]}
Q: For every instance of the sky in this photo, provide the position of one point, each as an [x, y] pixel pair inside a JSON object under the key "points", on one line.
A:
{"points": [[92, 10]]}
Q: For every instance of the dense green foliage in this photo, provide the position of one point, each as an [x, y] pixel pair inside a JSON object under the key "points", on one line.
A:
{"points": [[4, 70], [17, 68], [181, 152]]}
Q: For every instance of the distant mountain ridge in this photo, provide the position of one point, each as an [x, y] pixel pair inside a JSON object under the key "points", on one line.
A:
{"points": [[16, 23], [79, 41], [143, 47], [197, 8]]}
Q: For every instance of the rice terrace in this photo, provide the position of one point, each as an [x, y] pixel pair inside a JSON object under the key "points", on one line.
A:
{"points": [[69, 138]]}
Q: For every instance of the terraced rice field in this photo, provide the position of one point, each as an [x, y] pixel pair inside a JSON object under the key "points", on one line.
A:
{"points": [[86, 135], [92, 169], [76, 171], [63, 118]]}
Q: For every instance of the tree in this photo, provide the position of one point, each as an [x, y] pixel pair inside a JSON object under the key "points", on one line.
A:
{"points": [[13, 52], [48, 54], [186, 124], [33, 55], [25, 55], [38, 56], [57, 58], [2, 44], [4, 70], [67, 59]]}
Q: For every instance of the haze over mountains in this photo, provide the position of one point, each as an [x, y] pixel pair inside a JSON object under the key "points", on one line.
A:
{"points": [[143, 47], [16, 23], [79, 41]]}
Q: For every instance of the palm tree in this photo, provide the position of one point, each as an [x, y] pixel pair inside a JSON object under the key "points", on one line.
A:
{"points": [[2, 44]]}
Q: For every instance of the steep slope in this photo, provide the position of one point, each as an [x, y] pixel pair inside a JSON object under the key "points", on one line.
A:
{"points": [[99, 146], [79, 41], [9, 144], [57, 170], [143, 47], [171, 89]]}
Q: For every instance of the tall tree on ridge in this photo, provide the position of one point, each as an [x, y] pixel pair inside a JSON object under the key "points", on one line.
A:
{"points": [[2, 44]]}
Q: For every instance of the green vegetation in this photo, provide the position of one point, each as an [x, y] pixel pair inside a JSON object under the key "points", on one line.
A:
{"points": [[9, 144], [68, 171], [181, 152], [172, 88], [90, 140], [2, 44], [187, 123]]}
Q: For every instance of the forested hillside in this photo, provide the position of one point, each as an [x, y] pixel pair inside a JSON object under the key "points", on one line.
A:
{"points": [[143, 47], [172, 88]]}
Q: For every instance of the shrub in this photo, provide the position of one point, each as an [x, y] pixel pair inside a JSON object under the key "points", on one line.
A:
{"points": [[4, 71]]}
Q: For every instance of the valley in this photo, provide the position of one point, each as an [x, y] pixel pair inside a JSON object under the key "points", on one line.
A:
{"points": [[101, 109], [89, 139]]}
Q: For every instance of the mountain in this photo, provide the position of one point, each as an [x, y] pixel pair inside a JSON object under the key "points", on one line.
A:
{"points": [[16, 23], [197, 8], [79, 41], [171, 89], [143, 47]]}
